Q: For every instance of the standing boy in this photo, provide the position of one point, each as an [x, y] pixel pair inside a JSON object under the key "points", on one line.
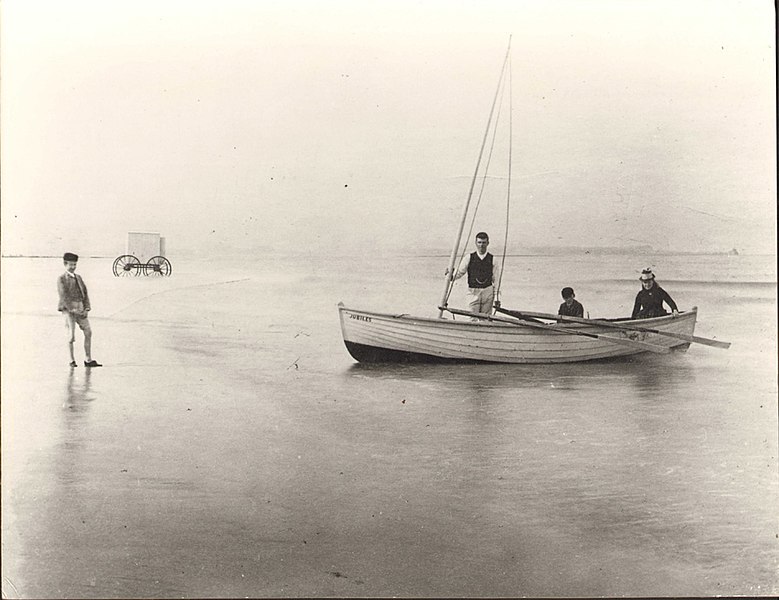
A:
{"points": [[74, 305]]}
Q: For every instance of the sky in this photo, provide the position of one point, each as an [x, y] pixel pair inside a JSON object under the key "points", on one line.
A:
{"points": [[347, 126]]}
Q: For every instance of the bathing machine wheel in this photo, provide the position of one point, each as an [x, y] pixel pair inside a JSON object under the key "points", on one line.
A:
{"points": [[158, 266], [126, 265]]}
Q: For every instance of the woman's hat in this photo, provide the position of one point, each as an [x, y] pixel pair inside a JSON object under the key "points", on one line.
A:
{"points": [[70, 257], [647, 274]]}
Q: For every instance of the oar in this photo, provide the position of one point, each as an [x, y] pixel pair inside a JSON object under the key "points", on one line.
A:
{"points": [[679, 336], [620, 341]]}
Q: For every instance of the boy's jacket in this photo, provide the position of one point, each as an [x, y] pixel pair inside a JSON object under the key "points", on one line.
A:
{"points": [[68, 288]]}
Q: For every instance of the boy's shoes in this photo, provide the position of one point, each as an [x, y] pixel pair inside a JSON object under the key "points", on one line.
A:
{"points": [[92, 363], [73, 363]]}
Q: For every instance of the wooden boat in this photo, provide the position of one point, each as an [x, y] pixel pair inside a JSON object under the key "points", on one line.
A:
{"points": [[381, 337], [522, 337]]}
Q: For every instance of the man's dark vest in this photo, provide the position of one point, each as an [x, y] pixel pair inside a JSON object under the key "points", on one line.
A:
{"points": [[480, 271]]}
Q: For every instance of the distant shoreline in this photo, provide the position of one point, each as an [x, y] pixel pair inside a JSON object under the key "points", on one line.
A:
{"points": [[566, 252]]}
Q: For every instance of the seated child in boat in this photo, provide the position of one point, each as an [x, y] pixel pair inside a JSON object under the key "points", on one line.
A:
{"points": [[570, 308]]}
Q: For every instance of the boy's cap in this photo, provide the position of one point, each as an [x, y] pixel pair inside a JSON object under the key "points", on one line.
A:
{"points": [[567, 292], [70, 257]]}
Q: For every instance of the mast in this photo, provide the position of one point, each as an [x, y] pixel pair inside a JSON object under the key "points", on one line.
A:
{"points": [[458, 238]]}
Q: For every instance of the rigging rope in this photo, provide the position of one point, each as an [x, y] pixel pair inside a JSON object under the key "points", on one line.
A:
{"points": [[493, 126], [508, 187], [466, 239]]}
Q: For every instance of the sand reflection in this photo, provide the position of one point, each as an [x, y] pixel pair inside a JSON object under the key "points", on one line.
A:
{"points": [[646, 375], [78, 393]]}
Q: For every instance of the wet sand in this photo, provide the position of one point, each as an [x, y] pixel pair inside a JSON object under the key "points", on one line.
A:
{"points": [[231, 448]]}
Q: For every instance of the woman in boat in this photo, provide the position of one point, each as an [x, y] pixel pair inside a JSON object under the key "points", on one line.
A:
{"points": [[649, 301]]}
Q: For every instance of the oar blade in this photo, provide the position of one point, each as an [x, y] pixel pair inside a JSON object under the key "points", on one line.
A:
{"points": [[708, 342]]}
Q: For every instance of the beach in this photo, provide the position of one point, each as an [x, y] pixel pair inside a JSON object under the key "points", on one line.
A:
{"points": [[231, 447]]}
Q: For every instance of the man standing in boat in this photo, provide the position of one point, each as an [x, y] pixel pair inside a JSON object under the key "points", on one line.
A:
{"points": [[483, 272]]}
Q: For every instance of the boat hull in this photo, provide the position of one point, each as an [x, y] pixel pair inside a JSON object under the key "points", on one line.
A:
{"points": [[381, 337]]}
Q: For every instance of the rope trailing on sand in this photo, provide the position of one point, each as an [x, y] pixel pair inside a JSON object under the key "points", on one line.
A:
{"points": [[188, 287]]}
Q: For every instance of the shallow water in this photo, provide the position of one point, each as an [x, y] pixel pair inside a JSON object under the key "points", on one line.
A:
{"points": [[231, 446]]}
